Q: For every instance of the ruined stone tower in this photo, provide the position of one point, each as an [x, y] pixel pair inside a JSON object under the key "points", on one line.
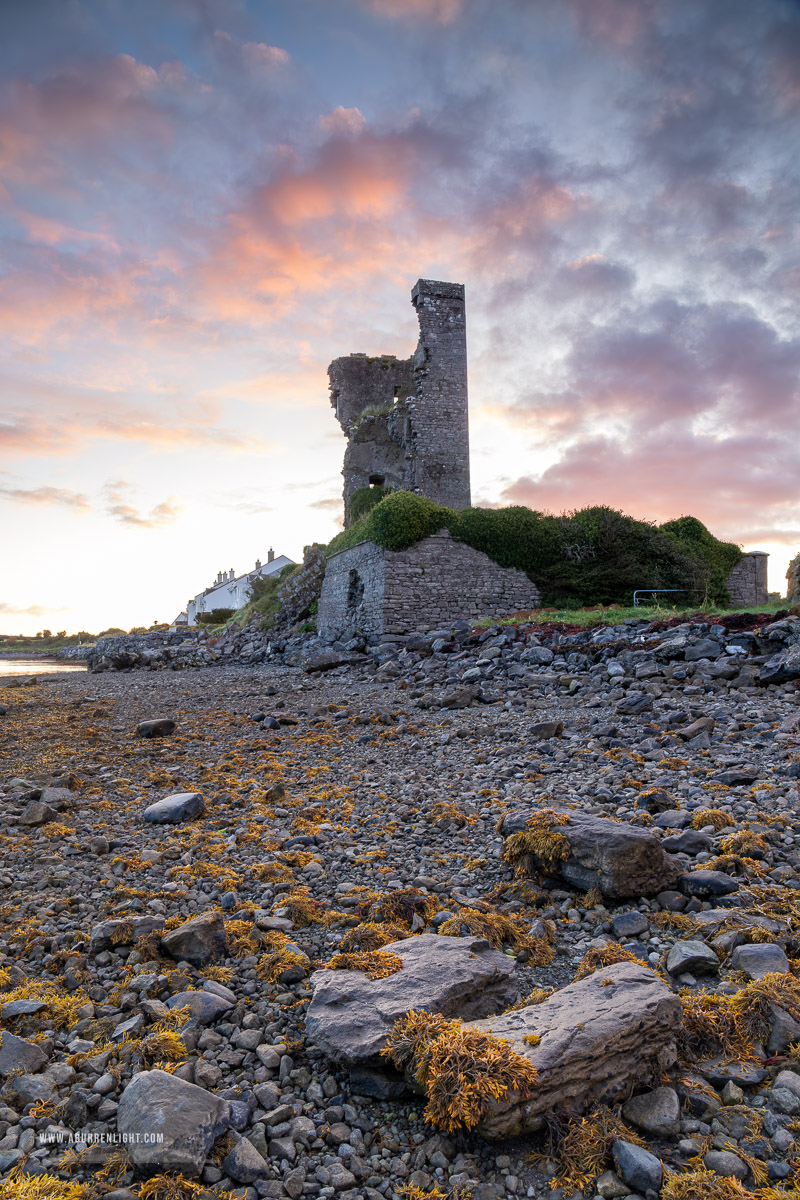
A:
{"points": [[406, 420]]}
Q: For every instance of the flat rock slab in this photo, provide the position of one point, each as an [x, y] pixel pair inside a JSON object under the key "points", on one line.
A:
{"points": [[327, 660], [57, 797], [598, 1037], [181, 806], [350, 1015], [168, 1124], [737, 776], [621, 860]]}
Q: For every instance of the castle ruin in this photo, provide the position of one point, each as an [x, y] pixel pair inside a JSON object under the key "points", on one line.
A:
{"points": [[406, 420], [407, 428]]}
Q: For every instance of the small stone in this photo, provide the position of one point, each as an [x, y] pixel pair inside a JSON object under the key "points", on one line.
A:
{"points": [[547, 729], [657, 1112], [789, 1080], [628, 924], [760, 959], [634, 703], [707, 883], [639, 1168], [610, 1187], [694, 956], [245, 1164], [732, 1094], [121, 932], [204, 1007], [785, 1101], [36, 813], [16, 1054], [727, 1164]]}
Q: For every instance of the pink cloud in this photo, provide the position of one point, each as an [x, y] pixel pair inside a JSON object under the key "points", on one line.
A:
{"points": [[734, 485], [343, 122], [46, 495], [255, 57], [59, 433], [120, 508], [440, 11]]}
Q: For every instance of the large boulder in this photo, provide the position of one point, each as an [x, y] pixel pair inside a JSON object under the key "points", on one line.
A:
{"points": [[36, 813], [599, 1036], [781, 668], [198, 941], [167, 1124], [155, 728], [350, 1015], [19, 1056], [181, 806], [621, 860]]}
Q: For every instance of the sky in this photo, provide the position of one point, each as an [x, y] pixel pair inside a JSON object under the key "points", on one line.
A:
{"points": [[202, 202]]}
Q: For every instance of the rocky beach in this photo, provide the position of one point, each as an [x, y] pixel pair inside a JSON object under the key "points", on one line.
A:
{"points": [[386, 921]]}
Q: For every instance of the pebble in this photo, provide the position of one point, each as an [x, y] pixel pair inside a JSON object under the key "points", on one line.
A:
{"points": [[345, 775]]}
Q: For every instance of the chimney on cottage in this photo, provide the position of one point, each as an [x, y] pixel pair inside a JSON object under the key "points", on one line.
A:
{"points": [[258, 564], [270, 555]]}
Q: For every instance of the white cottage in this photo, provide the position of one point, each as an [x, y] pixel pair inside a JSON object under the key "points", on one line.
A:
{"points": [[231, 591]]}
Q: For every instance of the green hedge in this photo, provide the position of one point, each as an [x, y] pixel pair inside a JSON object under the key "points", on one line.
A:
{"points": [[590, 556]]}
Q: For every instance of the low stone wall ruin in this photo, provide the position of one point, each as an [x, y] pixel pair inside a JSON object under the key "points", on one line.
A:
{"points": [[747, 582], [384, 592]]}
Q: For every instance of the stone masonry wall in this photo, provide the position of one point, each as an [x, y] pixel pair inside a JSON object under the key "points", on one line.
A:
{"points": [[441, 413], [425, 587], [793, 580], [352, 592], [747, 582]]}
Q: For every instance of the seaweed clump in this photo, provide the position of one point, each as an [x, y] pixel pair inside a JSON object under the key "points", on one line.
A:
{"points": [[715, 1024], [461, 1069], [581, 1146], [540, 845], [375, 964], [502, 929]]}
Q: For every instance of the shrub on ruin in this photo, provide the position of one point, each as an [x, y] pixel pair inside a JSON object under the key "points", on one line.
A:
{"points": [[593, 555], [719, 557], [364, 499]]}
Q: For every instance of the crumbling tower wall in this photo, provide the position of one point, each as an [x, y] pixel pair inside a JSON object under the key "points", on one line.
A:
{"points": [[406, 420], [441, 420]]}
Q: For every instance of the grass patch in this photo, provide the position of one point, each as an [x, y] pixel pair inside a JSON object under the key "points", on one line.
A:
{"points": [[617, 614]]}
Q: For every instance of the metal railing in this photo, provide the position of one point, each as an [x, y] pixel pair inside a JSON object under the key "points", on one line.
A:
{"points": [[652, 592]]}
